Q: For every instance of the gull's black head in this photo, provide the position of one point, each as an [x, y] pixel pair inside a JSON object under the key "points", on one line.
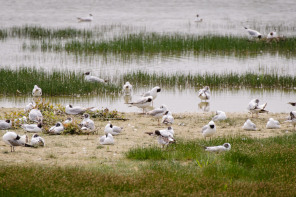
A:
{"points": [[18, 137], [259, 36], [158, 89], [87, 73], [58, 124], [271, 33], [39, 124], [257, 101], [226, 145], [86, 115], [169, 128], [90, 14], [157, 132], [70, 106], [149, 100], [35, 135], [166, 113], [212, 126], [8, 121], [111, 126]]}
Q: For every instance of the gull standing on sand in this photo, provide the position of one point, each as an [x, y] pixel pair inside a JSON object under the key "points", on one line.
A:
{"points": [[13, 139], [255, 108], [88, 18], [204, 93], [35, 115], [143, 102], [159, 112], [167, 118], [249, 126], [37, 91], [220, 115], [33, 128], [273, 124], [292, 118], [90, 78], [114, 130], [218, 149], [57, 129], [165, 137], [107, 139], [209, 130], [254, 33], [36, 140], [127, 88], [5, 124], [197, 19]]}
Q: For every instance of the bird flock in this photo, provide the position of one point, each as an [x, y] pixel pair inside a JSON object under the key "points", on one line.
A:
{"points": [[162, 114]]}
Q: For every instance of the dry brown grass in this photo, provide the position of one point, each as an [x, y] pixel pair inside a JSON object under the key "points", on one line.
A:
{"points": [[82, 150]]}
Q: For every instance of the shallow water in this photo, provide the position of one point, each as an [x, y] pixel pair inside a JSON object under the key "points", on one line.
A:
{"points": [[183, 100], [122, 17]]}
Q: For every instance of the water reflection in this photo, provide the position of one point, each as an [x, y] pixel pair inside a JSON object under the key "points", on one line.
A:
{"points": [[127, 99], [186, 100], [204, 106]]}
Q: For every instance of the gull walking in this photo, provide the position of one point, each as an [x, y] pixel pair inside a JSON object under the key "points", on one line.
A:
{"points": [[159, 112], [143, 102]]}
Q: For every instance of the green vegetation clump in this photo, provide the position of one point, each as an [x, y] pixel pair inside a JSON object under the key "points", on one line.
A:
{"points": [[55, 83], [248, 79]]}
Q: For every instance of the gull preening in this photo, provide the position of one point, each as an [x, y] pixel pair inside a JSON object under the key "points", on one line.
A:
{"points": [[88, 18], [292, 118], [36, 140], [167, 118], [35, 115], [5, 124], [209, 130], [255, 108], [273, 124], [36, 91], [107, 139], [33, 128], [165, 137], [159, 112], [218, 149], [57, 129], [143, 102], [13, 139], [220, 115], [90, 78], [249, 126], [87, 124], [204, 93], [127, 88], [254, 33], [197, 19], [73, 110], [30, 106], [114, 130]]}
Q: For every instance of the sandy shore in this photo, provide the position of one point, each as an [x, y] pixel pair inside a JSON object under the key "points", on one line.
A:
{"points": [[81, 150]]}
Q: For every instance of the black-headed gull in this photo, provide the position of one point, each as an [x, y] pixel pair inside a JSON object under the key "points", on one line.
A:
{"points": [[36, 140], [158, 112], [167, 118], [153, 92], [273, 124], [73, 110], [33, 128], [88, 18], [249, 126], [30, 106], [13, 139], [220, 115], [253, 33], [68, 121], [87, 123], [57, 129], [218, 149], [255, 108], [107, 139], [36, 91], [35, 115], [271, 35], [292, 118], [143, 102], [204, 93], [90, 78], [5, 124], [209, 130], [127, 88], [165, 136], [114, 130], [197, 19]]}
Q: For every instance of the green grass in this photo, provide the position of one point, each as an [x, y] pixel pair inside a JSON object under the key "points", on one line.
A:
{"points": [[248, 79], [55, 83], [152, 43], [253, 167]]}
